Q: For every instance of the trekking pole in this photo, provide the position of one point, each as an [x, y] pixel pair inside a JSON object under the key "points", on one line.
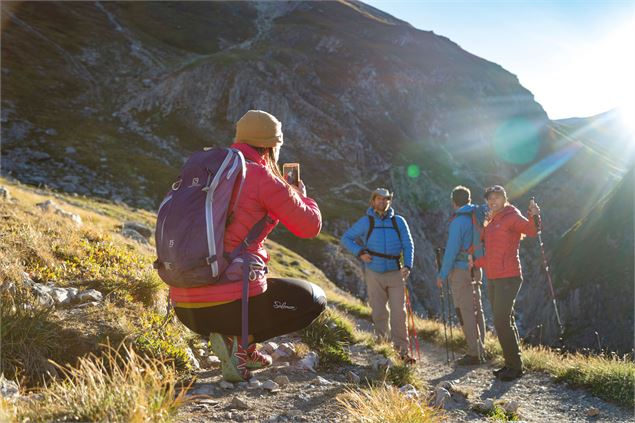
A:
{"points": [[445, 326], [450, 315], [479, 341], [547, 271], [412, 330]]}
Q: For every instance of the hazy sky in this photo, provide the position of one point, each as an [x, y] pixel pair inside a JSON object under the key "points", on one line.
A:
{"points": [[576, 57]]}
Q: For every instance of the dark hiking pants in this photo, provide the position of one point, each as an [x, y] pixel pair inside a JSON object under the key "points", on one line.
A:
{"points": [[502, 295], [286, 306]]}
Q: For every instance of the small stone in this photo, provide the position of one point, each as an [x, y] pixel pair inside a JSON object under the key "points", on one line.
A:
{"points": [[193, 361], [381, 362], [254, 383], [226, 385], [61, 296], [445, 384], [243, 385], [212, 360], [322, 381], [200, 352], [5, 194], [270, 347], [442, 395], [281, 380], [353, 378], [309, 362], [294, 413], [592, 412], [8, 388], [488, 404], [279, 354], [511, 406], [140, 228], [134, 235], [271, 386], [89, 295], [287, 347], [240, 403]]}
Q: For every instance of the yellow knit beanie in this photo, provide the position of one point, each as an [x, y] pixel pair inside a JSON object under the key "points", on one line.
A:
{"points": [[259, 129]]}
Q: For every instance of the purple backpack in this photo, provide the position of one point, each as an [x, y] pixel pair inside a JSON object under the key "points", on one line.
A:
{"points": [[191, 225], [192, 218]]}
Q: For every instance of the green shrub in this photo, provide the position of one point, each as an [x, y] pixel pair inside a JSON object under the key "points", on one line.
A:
{"points": [[330, 335]]}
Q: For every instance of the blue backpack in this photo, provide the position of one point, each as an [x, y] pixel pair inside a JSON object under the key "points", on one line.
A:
{"points": [[476, 248]]}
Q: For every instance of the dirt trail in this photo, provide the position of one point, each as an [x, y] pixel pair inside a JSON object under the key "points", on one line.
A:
{"points": [[308, 399]]}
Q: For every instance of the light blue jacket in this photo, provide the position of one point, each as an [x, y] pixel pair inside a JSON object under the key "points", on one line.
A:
{"points": [[384, 239], [460, 238]]}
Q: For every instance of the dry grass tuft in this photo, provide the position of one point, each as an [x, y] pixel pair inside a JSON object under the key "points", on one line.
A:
{"points": [[386, 405], [120, 386]]}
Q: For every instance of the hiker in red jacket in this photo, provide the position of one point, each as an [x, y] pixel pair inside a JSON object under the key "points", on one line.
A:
{"points": [[504, 229], [276, 305]]}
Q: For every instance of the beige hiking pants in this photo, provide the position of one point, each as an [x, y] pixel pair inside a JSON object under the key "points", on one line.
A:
{"points": [[460, 284], [388, 289]]}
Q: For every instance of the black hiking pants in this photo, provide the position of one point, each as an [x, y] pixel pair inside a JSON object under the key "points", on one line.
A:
{"points": [[286, 306], [502, 295]]}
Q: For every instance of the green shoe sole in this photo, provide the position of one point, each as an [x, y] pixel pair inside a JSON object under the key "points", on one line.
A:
{"points": [[228, 366]]}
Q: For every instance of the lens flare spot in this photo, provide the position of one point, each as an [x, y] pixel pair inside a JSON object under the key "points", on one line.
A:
{"points": [[413, 171], [517, 140]]}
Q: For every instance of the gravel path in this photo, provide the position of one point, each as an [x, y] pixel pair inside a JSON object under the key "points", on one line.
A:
{"points": [[307, 398], [539, 397]]}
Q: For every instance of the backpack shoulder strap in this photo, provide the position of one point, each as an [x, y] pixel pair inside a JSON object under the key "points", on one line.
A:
{"points": [[371, 226], [394, 225]]}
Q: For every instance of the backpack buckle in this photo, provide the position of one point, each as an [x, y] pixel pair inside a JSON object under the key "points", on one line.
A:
{"points": [[167, 265]]}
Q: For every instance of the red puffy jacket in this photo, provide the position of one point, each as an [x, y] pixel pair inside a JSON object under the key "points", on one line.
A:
{"points": [[263, 193], [501, 238]]}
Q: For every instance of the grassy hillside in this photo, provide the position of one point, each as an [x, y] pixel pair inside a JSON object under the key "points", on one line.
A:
{"points": [[120, 360]]}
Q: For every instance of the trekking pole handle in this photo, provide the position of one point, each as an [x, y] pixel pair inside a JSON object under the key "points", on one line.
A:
{"points": [[536, 221]]}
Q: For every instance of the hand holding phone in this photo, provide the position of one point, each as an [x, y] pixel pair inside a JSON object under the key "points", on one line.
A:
{"points": [[291, 173]]}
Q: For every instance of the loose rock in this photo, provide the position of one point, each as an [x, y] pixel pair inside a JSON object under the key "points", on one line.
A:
{"points": [[282, 380], [5, 194], [8, 388], [240, 403], [89, 295], [309, 362], [441, 396], [270, 347], [140, 228], [226, 385], [353, 377], [271, 386], [511, 406]]}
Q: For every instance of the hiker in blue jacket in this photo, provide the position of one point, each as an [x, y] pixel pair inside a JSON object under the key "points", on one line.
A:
{"points": [[379, 239], [462, 241]]}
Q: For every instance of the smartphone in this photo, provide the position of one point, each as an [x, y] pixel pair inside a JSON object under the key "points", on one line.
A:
{"points": [[291, 173]]}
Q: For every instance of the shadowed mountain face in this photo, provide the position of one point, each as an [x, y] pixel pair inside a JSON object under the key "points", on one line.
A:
{"points": [[108, 99]]}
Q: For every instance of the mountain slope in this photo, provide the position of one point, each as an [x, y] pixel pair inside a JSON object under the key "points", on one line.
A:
{"points": [[107, 99]]}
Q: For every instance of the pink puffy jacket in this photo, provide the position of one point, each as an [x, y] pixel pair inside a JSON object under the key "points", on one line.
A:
{"points": [[263, 193], [501, 238]]}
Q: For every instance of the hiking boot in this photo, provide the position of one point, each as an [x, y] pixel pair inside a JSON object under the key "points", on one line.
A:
{"points": [[407, 358], [498, 371], [233, 364], [468, 360], [509, 374], [256, 359]]}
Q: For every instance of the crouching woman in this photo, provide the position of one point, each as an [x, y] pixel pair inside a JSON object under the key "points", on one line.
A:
{"points": [[276, 305]]}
